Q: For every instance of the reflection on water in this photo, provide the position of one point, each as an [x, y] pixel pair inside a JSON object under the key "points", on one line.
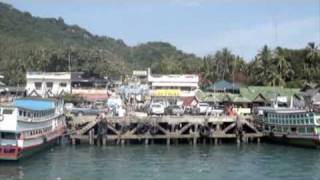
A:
{"points": [[10, 170], [185, 162]]}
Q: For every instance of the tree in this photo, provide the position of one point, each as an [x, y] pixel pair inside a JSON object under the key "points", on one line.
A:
{"points": [[259, 71], [313, 53], [282, 66]]}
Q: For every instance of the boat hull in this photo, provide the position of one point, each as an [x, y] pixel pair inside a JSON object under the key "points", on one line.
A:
{"points": [[21, 153], [295, 141]]}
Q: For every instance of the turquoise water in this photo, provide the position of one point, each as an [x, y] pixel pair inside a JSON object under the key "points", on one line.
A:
{"points": [[139, 162]]}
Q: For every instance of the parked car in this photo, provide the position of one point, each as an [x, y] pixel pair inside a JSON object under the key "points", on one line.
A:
{"points": [[156, 109], [174, 110], [217, 112], [202, 108], [68, 106], [80, 111]]}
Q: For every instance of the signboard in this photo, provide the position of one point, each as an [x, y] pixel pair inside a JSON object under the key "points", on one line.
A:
{"points": [[282, 99], [140, 73], [167, 92]]}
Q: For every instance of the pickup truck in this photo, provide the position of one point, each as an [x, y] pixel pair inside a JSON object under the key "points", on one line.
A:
{"points": [[79, 111]]}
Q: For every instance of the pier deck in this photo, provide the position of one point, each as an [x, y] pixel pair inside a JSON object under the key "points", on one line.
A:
{"points": [[168, 129]]}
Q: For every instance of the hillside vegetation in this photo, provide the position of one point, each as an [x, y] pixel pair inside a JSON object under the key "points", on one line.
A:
{"points": [[29, 43]]}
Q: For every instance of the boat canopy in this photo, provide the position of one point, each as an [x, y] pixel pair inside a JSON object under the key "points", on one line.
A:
{"points": [[35, 104]]}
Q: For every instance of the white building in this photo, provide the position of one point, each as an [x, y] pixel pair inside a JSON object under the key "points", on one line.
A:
{"points": [[48, 84], [184, 85]]}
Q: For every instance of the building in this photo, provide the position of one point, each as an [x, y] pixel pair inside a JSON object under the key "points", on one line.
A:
{"points": [[311, 95], [88, 87], [223, 86], [141, 77], [1, 83], [184, 85], [48, 84]]}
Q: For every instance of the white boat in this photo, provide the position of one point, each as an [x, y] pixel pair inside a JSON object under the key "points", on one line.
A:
{"points": [[30, 125], [289, 126]]}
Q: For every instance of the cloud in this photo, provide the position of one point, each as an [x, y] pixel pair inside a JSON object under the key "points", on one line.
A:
{"points": [[247, 41]]}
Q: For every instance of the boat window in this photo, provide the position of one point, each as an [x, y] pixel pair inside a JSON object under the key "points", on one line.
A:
{"points": [[20, 113], [312, 121], [307, 121], [7, 111], [309, 130], [24, 113], [8, 135], [302, 130]]}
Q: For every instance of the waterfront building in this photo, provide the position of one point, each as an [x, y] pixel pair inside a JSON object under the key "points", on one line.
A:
{"points": [[88, 87], [9, 93], [48, 84], [174, 85], [311, 95], [223, 86], [141, 77]]}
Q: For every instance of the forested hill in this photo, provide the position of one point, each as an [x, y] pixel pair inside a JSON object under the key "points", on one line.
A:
{"points": [[29, 43]]}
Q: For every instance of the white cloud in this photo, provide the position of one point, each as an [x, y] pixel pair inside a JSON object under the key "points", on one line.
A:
{"points": [[247, 41]]}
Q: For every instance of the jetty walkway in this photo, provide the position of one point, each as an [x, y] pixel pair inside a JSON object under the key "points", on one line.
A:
{"points": [[161, 129]]}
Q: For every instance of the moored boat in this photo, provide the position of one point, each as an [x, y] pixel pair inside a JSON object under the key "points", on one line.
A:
{"points": [[289, 126], [30, 125]]}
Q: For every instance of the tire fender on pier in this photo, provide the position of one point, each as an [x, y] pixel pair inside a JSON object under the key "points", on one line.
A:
{"points": [[205, 131], [142, 128]]}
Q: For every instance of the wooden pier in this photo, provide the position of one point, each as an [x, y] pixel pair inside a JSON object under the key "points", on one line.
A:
{"points": [[164, 129]]}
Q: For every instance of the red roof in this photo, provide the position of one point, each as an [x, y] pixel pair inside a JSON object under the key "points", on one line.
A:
{"points": [[187, 101]]}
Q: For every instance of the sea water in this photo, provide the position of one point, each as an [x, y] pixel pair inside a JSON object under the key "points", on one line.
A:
{"points": [[162, 162]]}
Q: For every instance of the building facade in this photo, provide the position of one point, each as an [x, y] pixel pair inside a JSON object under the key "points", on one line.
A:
{"points": [[48, 84], [89, 88], [184, 85]]}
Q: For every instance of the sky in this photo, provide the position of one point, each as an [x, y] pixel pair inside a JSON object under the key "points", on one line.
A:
{"points": [[194, 26]]}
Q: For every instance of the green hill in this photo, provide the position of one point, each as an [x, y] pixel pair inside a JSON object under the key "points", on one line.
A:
{"points": [[29, 43]]}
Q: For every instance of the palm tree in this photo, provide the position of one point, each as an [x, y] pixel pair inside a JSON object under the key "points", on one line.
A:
{"points": [[313, 53], [282, 66], [312, 60], [207, 73], [263, 64]]}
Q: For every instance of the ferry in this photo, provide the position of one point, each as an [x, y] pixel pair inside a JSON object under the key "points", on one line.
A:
{"points": [[29, 125], [289, 126]]}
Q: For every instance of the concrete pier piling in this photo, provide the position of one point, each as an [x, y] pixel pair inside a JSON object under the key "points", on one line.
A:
{"points": [[165, 129]]}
